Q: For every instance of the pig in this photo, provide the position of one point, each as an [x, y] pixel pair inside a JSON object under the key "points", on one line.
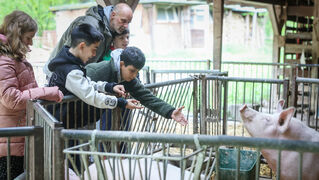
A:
{"points": [[282, 125], [154, 170]]}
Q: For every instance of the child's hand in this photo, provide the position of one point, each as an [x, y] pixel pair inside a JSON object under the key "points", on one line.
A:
{"points": [[120, 90], [60, 96], [133, 104]]}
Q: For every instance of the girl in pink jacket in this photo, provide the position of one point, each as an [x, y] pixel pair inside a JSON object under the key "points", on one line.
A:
{"points": [[17, 85]]}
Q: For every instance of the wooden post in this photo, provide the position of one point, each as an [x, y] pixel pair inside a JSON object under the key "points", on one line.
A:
{"points": [[218, 12], [293, 87], [315, 39]]}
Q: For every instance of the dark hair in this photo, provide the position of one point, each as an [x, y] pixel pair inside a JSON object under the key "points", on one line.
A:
{"points": [[133, 56], [13, 27], [85, 33]]}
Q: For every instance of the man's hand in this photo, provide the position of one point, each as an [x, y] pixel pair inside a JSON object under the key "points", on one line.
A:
{"points": [[178, 116], [133, 104], [120, 90]]}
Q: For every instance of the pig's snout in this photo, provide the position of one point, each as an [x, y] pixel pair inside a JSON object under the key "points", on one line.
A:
{"points": [[242, 109]]}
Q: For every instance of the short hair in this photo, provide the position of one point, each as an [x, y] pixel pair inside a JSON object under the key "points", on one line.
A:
{"points": [[133, 56], [85, 33], [13, 27]]}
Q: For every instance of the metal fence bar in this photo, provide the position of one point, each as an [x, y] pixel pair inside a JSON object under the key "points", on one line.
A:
{"points": [[33, 158], [228, 90], [157, 75], [169, 142], [262, 143], [307, 101]]}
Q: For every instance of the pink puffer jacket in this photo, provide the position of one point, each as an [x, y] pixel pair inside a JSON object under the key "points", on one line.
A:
{"points": [[17, 86]]}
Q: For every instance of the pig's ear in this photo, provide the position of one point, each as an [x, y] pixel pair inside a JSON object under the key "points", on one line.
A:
{"points": [[284, 119], [280, 105]]}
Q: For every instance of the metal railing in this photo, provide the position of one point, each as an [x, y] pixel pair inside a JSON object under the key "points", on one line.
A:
{"points": [[267, 70], [33, 158], [167, 75], [52, 145], [180, 156], [73, 113], [308, 101], [209, 103], [221, 98]]}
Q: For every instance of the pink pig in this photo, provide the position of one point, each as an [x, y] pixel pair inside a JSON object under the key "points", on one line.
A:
{"points": [[282, 125]]}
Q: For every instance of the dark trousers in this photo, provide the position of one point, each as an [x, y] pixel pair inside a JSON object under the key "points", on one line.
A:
{"points": [[16, 167]]}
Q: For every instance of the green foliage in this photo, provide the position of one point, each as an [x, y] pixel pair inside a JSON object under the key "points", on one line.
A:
{"points": [[38, 9]]}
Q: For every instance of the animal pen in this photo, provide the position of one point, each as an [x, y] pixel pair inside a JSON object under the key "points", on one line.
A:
{"points": [[149, 145], [140, 144]]}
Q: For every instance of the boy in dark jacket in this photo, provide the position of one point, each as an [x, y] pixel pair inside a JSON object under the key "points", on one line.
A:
{"points": [[123, 69], [70, 76]]}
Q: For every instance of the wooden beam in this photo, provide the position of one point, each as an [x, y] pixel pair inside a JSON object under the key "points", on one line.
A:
{"points": [[278, 17], [218, 12], [277, 2], [300, 11], [255, 5], [273, 19], [276, 50], [297, 48], [281, 41], [304, 35]]}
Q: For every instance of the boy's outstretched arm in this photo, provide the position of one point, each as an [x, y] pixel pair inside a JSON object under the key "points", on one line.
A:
{"points": [[178, 116], [145, 96]]}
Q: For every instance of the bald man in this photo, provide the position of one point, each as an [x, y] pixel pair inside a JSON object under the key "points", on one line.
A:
{"points": [[108, 20]]}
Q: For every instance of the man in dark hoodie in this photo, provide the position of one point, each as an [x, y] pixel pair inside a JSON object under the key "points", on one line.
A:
{"points": [[70, 76], [109, 21]]}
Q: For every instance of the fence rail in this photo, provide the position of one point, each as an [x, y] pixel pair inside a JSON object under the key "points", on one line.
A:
{"points": [[167, 75], [208, 101], [33, 159], [178, 156], [308, 101], [223, 96], [268, 70]]}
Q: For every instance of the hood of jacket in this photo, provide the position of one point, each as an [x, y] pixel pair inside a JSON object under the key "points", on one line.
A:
{"points": [[64, 57], [102, 15], [116, 56], [107, 12]]}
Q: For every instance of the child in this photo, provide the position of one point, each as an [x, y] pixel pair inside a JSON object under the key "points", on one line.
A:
{"points": [[70, 76], [120, 41], [123, 69], [17, 85]]}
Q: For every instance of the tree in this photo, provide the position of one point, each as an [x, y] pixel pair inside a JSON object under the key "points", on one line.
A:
{"points": [[37, 9]]}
